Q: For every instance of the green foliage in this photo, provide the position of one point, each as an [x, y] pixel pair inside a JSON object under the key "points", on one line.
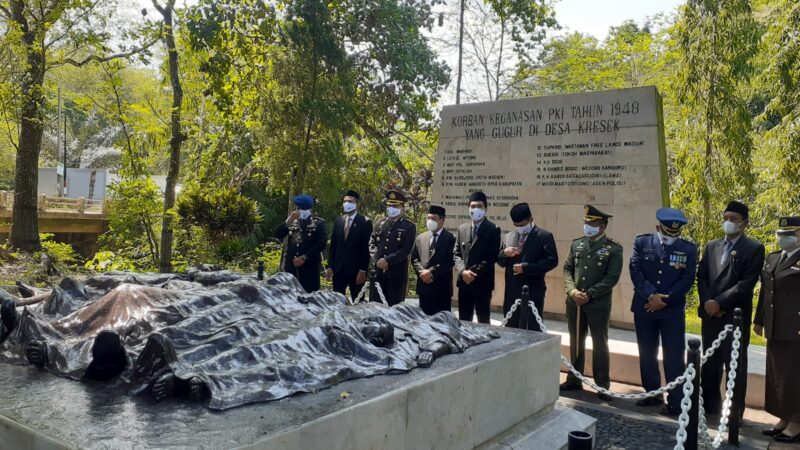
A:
{"points": [[717, 42], [105, 261], [134, 217], [63, 254], [224, 214]]}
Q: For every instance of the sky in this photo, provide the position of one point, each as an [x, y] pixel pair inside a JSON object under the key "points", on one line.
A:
{"points": [[596, 16]]}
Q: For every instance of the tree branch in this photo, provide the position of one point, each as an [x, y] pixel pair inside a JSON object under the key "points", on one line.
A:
{"points": [[101, 59]]}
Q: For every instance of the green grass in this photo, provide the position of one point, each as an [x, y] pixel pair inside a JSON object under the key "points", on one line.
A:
{"points": [[693, 326]]}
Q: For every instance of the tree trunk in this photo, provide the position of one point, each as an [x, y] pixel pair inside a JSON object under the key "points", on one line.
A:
{"points": [[177, 138], [24, 217]]}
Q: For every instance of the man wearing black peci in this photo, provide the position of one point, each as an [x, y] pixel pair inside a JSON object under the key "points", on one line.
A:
{"points": [[432, 259], [475, 254], [528, 253], [348, 260], [726, 278]]}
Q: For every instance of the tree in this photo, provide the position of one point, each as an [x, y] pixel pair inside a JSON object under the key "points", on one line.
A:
{"points": [[717, 40], [167, 12], [44, 34], [313, 75]]}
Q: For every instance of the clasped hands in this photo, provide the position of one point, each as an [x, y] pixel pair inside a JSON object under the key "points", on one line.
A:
{"points": [[713, 308], [579, 297], [656, 302]]}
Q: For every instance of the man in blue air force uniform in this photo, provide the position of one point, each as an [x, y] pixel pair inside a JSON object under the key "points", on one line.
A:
{"points": [[663, 268]]}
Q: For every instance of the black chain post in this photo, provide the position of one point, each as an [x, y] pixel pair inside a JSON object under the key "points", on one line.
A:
{"points": [[738, 392], [524, 310], [693, 356], [261, 270]]}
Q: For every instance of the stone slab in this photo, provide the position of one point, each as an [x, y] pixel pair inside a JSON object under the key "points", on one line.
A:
{"points": [[558, 153], [462, 401], [546, 431]]}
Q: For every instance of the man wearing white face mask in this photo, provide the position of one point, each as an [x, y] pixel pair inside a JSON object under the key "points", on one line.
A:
{"points": [[475, 253], [527, 254], [778, 320], [591, 271], [662, 268], [307, 240], [726, 278], [389, 247], [432, 259], [348, 259]]}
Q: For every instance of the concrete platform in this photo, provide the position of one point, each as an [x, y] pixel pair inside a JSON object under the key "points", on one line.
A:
{"points": [[495, 395]]}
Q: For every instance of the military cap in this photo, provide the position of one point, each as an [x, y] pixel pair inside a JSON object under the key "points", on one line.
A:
{"points": [[592, 213], [353, 194], [789, 223], [671, 220], [395, 197], [478, 196], [738, 207], [520, 212], [304, 201], [438, 210]]}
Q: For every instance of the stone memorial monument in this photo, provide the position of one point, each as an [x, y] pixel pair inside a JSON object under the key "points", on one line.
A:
{"points": [[558, 153]]}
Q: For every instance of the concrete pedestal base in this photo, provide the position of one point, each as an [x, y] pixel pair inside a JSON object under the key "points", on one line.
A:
{"points": [[494, 395]]}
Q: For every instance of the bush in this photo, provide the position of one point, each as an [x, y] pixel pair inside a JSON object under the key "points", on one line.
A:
{"points": [[63, 254], [106, 261], [224, 214]]}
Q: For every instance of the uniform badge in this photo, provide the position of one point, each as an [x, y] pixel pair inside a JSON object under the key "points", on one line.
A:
{"points": [[783, 222]]}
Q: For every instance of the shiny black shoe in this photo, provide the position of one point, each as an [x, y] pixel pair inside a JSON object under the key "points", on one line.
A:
{"points": [[652, 401], [670, 411], [772, 431], [604, 397], [786, 438], [570, 386]]}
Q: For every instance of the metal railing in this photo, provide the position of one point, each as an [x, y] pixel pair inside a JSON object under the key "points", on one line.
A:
{"points": [[46, 203]]}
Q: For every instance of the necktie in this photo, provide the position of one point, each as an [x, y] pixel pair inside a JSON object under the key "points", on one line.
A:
{"points": [[474, 233], [522, 240], [433, 244], [347, 226], [784, 257], [726, 252]]}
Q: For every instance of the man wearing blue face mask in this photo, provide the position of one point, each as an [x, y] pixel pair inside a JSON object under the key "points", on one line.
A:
{"points": [[307, 241], [662, 268], [348, 259], [527, 254], [591, 271], [390, 247]]}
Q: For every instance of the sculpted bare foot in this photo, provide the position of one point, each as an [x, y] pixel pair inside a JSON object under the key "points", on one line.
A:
{"points": [[197, 389], [164, 387], [425, 359], [36, 352]]}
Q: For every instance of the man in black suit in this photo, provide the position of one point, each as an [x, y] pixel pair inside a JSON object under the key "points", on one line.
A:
{"points": [[726, 278], [432, 259], [528, 253], [348, 259], [475, 254]]}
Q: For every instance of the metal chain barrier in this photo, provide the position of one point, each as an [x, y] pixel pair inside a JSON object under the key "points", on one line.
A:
{"points": [[726, 405], [658, 392], [361, 294], [364, 294], [686, 379], [686, 405]]}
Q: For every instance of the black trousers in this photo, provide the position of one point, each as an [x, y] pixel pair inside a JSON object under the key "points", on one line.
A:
{"points": [[394, 289], [719, 364], [474, 300], [342, 281]]}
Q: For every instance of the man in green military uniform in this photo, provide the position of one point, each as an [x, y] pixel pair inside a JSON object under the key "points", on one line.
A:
{"points": [[591, 270]]}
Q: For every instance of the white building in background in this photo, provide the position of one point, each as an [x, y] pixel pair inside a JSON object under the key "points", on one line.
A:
{"points": [[86, 183]]}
